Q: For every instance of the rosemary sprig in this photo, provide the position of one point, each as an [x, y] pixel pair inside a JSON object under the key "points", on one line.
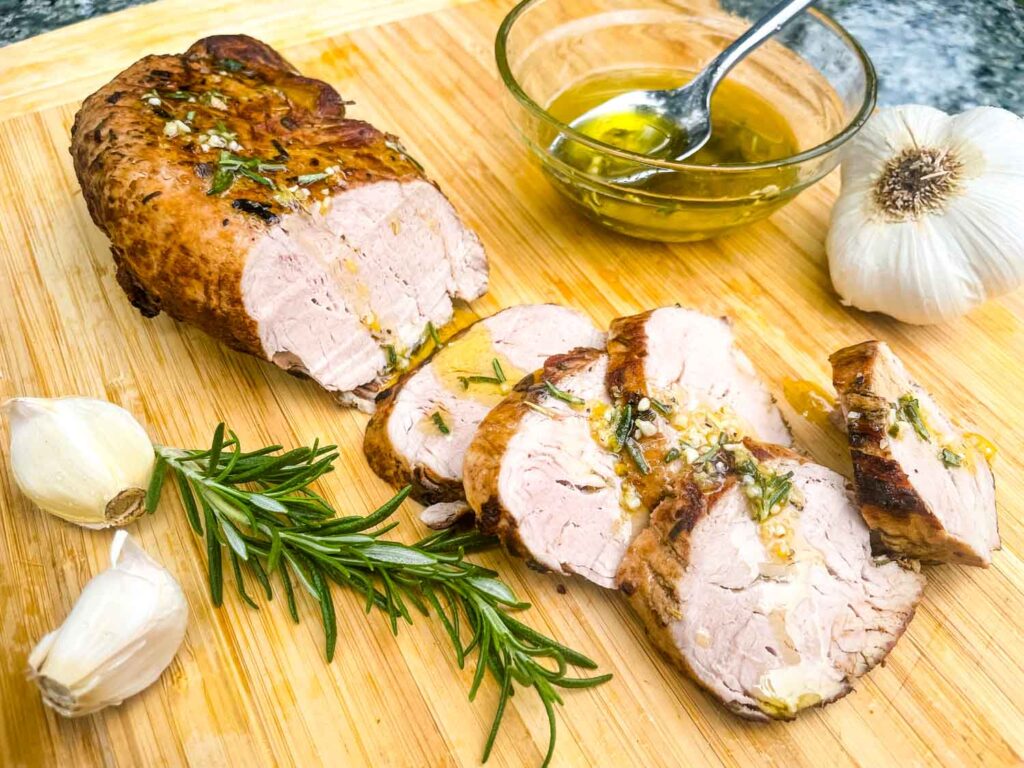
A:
{"points": [[908, 409], [772, 490], [259, 509], [950, 458], [230, 166], [439, 422], [434, 336], [561, 394]]}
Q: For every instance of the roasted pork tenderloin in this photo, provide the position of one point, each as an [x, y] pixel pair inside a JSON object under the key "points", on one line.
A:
{"points": [[423, 425], [756, 577], [921, 482], [239, 197], [536, 476]]}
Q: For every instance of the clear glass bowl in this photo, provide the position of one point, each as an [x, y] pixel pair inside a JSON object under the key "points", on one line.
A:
{"points": [[814, 73]]}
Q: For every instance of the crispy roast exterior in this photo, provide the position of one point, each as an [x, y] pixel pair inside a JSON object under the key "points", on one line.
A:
{"points": [[888, 501], [178, 249], [482, 466]]}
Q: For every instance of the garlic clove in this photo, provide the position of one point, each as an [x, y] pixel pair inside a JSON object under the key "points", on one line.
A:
{"points": [[122, 632], [86, 461]]}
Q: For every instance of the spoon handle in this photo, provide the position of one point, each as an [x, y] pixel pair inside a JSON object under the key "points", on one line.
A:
{"points": [[775, 19]]}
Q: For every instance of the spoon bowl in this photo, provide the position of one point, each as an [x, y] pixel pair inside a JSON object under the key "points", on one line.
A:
{"points": [[813, 74], [685, 112]]}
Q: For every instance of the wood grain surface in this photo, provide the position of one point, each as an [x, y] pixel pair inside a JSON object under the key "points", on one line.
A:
{"points": [[249, 687]]}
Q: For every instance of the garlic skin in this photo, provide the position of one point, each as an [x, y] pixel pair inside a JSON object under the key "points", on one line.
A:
{"points": [[86, 461], [930, 218], [121, 634]]}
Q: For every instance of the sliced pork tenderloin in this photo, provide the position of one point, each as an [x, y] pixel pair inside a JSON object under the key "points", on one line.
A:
{"points": [[423, 425], [770, 617], [240, 198], [922, 484], [536, 475]]}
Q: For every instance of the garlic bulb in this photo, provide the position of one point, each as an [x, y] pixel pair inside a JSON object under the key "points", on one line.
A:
{"points": [[930, 219], [86, 461], [122, 632]]}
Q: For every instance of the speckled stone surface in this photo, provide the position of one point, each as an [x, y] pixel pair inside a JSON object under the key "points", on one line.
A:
{"points": [[952, 55]]}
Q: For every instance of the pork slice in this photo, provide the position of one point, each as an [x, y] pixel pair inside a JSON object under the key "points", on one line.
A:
{"points": [[536, 476], [405, 445], [690, 362], [925, 488], [239, 197], [772, 617]]}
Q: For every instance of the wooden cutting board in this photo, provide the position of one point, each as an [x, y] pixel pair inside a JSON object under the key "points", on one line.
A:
{"points": [[249, 687]]}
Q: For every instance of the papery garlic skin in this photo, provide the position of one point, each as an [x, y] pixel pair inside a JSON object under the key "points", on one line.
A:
{"points": [[962, 246], [122, 632], [86, 461]]}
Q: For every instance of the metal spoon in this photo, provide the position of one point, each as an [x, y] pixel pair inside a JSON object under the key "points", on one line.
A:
{"points": [[687, 110]]}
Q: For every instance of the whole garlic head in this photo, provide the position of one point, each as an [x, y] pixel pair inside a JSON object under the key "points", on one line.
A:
{"points": [[121, 634], [930, 219], [86, 461]]}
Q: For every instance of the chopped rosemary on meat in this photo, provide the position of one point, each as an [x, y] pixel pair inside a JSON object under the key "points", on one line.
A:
{"points": [[561, 394], [439, 423], [465, 381], [660, 407], [310, 178], [179, 95], [498, 379], [498, 373], [908, 409], [950, 458], [767, 491], [637, 455], [258, 508], [230, 166], [623, 426], [671, 455], [434, 337]]}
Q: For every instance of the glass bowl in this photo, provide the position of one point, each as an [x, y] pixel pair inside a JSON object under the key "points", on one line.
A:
{"points": [[813, 73]]}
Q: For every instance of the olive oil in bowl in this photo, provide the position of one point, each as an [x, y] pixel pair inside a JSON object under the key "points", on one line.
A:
{"points": [[715, 190]]}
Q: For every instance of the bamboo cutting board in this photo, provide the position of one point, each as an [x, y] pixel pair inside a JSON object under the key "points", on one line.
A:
{"points": [[249, 687]]}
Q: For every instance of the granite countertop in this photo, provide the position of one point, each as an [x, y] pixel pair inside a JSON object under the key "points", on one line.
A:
{"points": [[950, 54]]}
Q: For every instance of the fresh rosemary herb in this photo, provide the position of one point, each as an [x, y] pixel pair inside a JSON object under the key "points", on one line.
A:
{"points": [[770, 490], [434, 336], [391, 356], [257, 507], [465, 381], [497, 379], [623, 426], [637, 455], [561, 394], [660, 407], [672, 455], [310, 178], [230, 166], [439, 422], [950, 458], [498, 373], [908, 409], [178, 95]]}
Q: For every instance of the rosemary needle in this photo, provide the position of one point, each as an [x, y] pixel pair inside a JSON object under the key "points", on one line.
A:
{"points": [[259, 507]]}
